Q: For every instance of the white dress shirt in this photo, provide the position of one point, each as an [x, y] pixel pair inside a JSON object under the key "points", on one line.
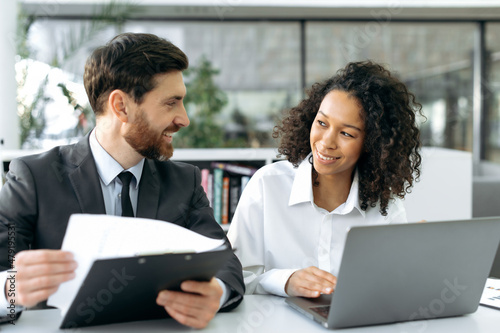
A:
{"points": [[277, 229], [108, 169]]}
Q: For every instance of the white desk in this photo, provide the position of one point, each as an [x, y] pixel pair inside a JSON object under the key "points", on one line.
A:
{"points": [[264, 314]]}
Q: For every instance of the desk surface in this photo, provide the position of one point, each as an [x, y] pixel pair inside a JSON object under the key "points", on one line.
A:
{"points": [[258, 313]]}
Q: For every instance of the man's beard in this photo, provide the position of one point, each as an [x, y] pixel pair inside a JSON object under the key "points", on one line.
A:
{"points": [[141, 137]]}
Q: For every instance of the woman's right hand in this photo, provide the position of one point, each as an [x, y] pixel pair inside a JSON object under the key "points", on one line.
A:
{"points": [[310, 282]]}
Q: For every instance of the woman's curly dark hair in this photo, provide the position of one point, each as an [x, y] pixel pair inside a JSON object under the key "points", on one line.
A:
{"points": [[390, 162]]}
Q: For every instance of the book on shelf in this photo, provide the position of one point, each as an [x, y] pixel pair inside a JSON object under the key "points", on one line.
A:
{"points": [[224, 184], [204, 179], [225, 200], [210, 189], [217, 197], [235, 168], [207, 184], [234, 194], [244, 181]]}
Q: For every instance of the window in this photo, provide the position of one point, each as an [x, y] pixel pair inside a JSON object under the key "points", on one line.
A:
{"points": [[259, 70], [258, 64], [433, 59], [492, 93]]}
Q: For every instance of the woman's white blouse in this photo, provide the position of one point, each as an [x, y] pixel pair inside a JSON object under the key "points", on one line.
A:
{"points": [[277, 229]]}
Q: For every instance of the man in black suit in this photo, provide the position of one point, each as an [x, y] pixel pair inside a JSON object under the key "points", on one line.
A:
{"points": [[136, 90]]}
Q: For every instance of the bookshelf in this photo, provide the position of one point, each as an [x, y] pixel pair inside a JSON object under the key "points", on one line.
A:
{"points": [[224, 187]]}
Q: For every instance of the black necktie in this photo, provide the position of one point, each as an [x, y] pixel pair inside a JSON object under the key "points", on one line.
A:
{"points": [[127, 210]]}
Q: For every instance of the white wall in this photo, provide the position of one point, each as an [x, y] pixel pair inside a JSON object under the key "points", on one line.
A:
{"points": [[445, 188]]}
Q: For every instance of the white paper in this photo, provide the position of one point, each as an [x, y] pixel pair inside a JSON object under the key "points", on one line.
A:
{"points": [[491, 294], [91, 237]]}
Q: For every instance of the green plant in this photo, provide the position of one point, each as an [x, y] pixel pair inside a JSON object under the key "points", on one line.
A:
{"points": [[86, 118], [203, 102], [32, 118]]}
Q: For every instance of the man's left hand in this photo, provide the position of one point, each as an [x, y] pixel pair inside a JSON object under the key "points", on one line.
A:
{"points": [[195, 305]]}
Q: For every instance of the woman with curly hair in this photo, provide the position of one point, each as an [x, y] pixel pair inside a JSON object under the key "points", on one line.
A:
{"points": [[352, 149]]}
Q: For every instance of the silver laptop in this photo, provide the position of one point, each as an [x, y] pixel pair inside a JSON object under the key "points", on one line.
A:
{"points": [[403, 272]]}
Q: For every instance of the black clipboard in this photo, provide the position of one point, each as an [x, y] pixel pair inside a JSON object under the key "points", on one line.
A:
{"points": [[125, 289]]}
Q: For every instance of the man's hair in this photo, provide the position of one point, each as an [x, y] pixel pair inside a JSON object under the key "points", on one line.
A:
{"points": [[129, 62]]}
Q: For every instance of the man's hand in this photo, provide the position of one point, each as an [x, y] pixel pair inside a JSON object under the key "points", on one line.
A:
{"points": [[39, 274], [310, 282], [196, 305]]}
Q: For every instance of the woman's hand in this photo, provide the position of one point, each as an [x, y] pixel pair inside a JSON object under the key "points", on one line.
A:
{"points": [[310, 282]]}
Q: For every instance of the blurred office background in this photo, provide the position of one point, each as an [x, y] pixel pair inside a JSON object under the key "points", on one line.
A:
{"points": [[260, 56]]}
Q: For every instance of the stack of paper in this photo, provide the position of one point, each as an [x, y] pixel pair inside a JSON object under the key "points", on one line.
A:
{"points": [[491, 294], [91, 237]]}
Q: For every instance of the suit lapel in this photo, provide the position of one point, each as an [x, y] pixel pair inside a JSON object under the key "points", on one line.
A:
{"points": [[149, 191], [85, 179]]}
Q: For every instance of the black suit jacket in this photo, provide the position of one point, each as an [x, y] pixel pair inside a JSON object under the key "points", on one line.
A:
{"points": [[42, 191]]}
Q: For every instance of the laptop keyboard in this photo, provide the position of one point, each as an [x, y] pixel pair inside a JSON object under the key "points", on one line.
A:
{"points": [[321, 310]]}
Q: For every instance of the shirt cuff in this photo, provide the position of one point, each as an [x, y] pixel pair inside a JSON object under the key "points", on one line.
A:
{"points": [[8, 309], [225, 293], [274, 281]]}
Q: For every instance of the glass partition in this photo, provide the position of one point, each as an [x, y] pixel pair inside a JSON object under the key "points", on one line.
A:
{"points": [[492, 93], [433, 59], [257, 67]]}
